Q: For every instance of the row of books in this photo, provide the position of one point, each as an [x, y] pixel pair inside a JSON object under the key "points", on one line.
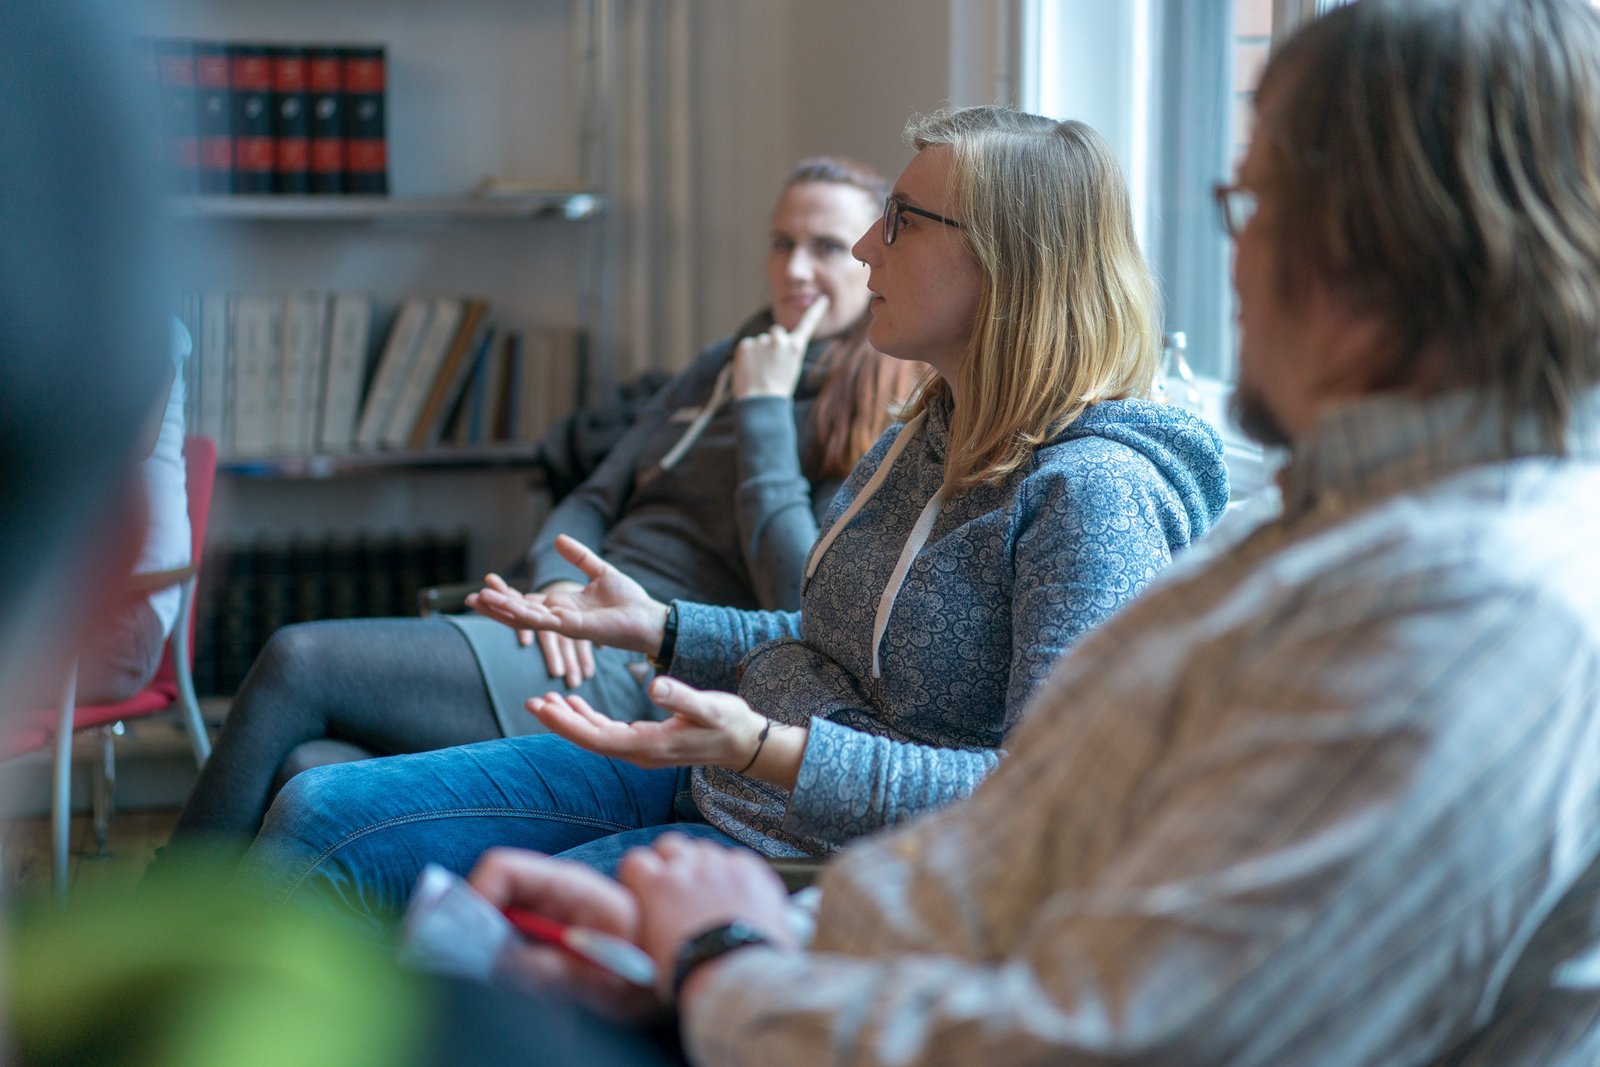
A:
{"points": [[283, 375], [271, 118], [249, 589]]}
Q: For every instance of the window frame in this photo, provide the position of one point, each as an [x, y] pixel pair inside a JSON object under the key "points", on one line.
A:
{"points": [[1144, 73]]}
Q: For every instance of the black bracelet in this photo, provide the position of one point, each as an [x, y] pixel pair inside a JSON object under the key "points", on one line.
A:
{"points": [[669, 640], [765, 730]]}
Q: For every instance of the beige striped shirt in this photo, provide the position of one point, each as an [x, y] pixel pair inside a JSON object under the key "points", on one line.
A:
{"points": [[1328, 796]]}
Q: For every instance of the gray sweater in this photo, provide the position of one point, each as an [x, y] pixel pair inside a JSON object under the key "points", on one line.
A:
{"points": [[730, 523], [1008, 578]]}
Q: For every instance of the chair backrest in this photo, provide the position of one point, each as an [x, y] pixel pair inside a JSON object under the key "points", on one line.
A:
{"points": [[200, 475], [200, 470]]}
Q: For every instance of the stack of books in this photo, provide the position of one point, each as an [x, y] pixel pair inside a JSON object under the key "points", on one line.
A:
{"points": [[305, 374], [254, 119]]}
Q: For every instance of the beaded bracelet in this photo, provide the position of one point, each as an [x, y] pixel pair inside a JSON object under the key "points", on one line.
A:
{"points": [[759, 742]]}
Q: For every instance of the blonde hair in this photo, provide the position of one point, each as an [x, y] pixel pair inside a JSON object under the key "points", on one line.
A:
{"points": [[1068, 314]]}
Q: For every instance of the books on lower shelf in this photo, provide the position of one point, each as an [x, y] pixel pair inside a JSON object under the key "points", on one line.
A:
{"points": [[281, 375]]}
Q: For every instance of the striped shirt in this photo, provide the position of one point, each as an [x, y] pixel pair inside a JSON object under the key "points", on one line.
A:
{"points": [[1330, 795]]}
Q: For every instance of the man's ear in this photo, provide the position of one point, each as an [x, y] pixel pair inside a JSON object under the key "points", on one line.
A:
{"points": [[1354, 347]]}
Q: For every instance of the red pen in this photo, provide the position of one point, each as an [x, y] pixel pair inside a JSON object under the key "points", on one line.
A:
{"points": [[606, 951]]}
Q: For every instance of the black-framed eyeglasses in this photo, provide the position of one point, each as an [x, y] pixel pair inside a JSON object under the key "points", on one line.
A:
{"points": [[893, 207], [1236, 206]]}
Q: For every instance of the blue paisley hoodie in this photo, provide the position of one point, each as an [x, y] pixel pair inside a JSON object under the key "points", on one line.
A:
{"points": [[929, 618]]}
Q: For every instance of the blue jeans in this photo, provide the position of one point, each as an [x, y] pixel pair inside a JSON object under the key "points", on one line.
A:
{"points": [[358, 834]]}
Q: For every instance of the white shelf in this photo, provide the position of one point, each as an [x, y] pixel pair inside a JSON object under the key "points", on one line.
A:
{"points": [[296, 468], [562, 206]]}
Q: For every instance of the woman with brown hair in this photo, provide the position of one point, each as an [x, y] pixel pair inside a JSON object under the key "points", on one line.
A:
{"points": [[716, 493]]}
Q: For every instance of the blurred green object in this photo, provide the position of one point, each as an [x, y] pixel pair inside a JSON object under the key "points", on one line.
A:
{"points": [[182, 975]]}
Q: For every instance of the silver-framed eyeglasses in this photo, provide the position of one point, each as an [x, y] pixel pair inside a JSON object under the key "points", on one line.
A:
{"points": [[894, 207], [1236, 206]]}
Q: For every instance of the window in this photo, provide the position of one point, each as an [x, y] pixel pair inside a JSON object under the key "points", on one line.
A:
{"points": [[1169, 83]]}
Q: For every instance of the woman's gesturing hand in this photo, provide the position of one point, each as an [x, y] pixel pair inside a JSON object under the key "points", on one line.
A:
{"points": [[768, 364], [570, 660], [706, 728], [612, 609]]}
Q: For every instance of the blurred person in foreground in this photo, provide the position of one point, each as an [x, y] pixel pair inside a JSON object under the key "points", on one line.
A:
{"points": [[176, 978], [1326, 797]]}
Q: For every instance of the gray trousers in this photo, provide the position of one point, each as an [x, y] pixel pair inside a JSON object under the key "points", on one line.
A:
{"points": [[324, 692]]}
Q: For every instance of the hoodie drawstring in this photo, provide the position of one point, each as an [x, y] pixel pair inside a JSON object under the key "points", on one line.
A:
{"points": [[719, 395], [914, 541]]}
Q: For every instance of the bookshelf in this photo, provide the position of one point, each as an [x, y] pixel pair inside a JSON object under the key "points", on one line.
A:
{"points": [[365, 464], [554, 206], [504, 92]]}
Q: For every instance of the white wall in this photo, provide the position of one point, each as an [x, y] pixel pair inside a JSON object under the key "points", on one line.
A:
{"points": [[783, 79]]}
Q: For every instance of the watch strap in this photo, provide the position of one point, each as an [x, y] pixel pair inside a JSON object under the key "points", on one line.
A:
{"points": [[710, 945], [669, 641]]}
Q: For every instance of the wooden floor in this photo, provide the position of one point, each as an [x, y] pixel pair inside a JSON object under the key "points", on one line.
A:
{"points": [[135, 835]]}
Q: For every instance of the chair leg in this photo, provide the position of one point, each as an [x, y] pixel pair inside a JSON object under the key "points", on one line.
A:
{"points": [[198, 738], [61, 793], [105, 786]]}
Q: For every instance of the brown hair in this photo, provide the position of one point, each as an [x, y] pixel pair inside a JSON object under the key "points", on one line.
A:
{"points": [[1068, 313], [1440, 166], [861, 388]]}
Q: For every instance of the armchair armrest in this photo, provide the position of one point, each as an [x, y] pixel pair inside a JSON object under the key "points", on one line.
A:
{"points": [[147, 582], [448, 599], [797, 874]]}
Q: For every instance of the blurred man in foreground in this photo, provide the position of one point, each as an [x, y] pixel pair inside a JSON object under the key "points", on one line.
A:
{"points": [[1330, 796]]}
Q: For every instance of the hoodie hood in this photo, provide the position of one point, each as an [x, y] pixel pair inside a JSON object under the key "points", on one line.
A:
{"points": [[1185, 448], [1182, 447]]}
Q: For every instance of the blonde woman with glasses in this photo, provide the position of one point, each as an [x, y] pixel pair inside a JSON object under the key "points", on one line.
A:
{"points": [[1030, 491]]}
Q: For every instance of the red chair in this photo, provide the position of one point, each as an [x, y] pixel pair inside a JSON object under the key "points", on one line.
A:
{"points": [[172, 686]]}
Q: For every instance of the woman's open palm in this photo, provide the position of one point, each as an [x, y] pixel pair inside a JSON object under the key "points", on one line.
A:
{"points": [[612, 609]]}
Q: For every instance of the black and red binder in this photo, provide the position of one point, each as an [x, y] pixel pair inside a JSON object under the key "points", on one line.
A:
{"points": [[250, 78], [325, 81], [214, 117], [174, 60], [291, 127], [366, 152]]}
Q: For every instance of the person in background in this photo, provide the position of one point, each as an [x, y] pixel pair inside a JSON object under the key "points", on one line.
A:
{"points": [[1030, 493], [123, 655], [716, 493], [1330, 796]]}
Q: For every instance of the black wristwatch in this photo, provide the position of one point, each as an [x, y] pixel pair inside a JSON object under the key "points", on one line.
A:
{"points": [[715, 942]]}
